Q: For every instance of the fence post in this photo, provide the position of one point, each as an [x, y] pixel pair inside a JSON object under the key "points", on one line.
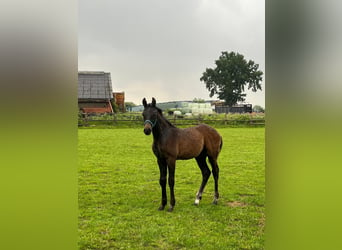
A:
{"points": [[200, 119], [114, 119], [86, 119]]}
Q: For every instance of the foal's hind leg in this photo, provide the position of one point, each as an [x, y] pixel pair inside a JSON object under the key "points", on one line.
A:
{"points": [[201, 161], [215, 168]]}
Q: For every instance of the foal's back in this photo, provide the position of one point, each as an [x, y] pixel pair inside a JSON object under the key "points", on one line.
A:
{"points": [[191, 141]]}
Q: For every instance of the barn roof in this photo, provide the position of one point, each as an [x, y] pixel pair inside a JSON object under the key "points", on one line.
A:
{"points": [[94, 85]]}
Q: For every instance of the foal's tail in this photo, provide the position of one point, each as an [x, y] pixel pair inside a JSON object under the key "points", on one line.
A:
{"points": [[221, 144]]}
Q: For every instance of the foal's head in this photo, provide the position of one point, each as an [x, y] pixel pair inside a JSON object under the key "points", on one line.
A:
{"points": [[150, 115]]}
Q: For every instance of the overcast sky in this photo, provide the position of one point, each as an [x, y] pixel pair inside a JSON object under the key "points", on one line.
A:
{"points": [[160, 48]]}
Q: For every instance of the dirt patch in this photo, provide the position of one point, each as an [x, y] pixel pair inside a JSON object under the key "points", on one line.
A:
{"points": [[261, 224], [236, 204]]}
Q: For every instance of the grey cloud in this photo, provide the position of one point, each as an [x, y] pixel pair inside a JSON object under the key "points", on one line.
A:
{"points": [[166, 43]]}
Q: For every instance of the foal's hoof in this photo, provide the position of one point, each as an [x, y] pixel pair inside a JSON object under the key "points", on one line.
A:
{"points": [[197, 201], [215, 202], [161, 208], [170, 209]]}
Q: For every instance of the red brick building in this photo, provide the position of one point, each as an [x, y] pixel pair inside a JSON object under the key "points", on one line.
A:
{"points": [[119, 98]]}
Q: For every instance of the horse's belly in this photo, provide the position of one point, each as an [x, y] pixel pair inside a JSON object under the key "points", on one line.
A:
{"points": [[189, 150]]}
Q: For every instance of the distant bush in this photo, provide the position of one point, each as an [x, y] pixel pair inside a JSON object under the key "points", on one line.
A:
{"points": [[131, 119]]}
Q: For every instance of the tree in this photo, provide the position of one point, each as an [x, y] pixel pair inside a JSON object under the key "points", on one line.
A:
{"points": [[114, 106], [129, 105], [230, 76], [258, 109], [198, 100]]}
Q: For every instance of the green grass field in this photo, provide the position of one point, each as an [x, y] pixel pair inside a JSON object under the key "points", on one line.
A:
{"points": [[119, 194]]}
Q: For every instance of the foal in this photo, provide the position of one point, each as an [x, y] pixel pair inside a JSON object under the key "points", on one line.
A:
{"points": [[171, 144]]}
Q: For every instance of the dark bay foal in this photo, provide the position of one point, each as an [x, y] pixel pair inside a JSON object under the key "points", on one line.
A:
{"points": [[171, 144]]}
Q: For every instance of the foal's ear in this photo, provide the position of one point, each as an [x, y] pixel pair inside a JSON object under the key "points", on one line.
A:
{"points": [[153, 102], [144, 102]]}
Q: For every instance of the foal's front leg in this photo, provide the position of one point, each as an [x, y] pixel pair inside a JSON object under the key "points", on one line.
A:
{"points": [[171, 164], [162, 181]]}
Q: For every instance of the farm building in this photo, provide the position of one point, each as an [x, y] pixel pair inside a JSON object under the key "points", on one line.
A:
{"points": [[238, 108], [119, 98], [182, 106], [194, 108], [95, 92]]}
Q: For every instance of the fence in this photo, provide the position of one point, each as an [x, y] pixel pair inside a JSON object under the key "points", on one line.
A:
{"points": [[137, 120], [245, 108]]}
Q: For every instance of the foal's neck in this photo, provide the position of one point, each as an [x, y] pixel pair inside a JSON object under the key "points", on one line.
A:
{"points": [[161, 126]]}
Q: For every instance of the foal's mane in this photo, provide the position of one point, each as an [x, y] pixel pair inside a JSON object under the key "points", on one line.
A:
{"points": [[164, 119]]}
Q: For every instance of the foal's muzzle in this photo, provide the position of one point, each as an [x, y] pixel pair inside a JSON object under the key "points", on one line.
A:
{"points": [[148, 125], [147, 129]]}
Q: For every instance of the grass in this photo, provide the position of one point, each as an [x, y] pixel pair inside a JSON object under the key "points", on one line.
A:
{"points": [[119, 194]]}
